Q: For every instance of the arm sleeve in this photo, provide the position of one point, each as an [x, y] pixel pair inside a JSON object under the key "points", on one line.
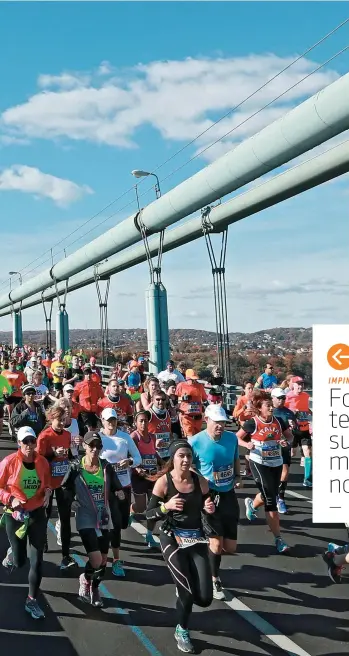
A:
{"points": [[249, 426], [153, 509], [134, 453]]}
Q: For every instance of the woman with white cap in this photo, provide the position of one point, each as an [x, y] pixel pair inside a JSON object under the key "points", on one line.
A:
{"points": [[25, 493], [121, 452]]}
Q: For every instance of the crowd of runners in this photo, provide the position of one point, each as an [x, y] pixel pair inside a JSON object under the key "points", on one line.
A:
{"points": [[160, 447]]}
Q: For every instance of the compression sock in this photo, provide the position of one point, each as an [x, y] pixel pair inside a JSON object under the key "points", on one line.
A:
{"points": [[215, 562], [308, 467], [89, 571], [282, 489]]}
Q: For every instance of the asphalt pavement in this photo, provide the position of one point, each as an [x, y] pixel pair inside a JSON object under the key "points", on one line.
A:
{"points": [[277, 605]]}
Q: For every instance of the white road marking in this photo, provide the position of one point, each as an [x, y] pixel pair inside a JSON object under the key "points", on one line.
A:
{"points": [[279, 639], [298, 496], [248, 614]]}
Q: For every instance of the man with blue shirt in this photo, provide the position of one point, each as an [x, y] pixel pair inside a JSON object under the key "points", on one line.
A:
{"points": [[267, 380], [216, 458]]}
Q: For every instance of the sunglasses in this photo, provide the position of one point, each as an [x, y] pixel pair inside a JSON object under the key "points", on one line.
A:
{"points": [[95, 445], [29, 440], [31, 393]]}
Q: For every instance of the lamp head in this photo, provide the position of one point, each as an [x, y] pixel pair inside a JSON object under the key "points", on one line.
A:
{"points": [[138, 173]]}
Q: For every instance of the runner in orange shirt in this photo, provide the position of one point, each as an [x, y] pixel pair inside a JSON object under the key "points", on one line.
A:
{"points": [[192, 396]]}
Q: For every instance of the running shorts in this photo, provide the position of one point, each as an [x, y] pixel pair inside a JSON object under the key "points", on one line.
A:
{"points": [[141, 485], [224, 521], [301, 438], [286, 455], [92, 542], [267, 480]]}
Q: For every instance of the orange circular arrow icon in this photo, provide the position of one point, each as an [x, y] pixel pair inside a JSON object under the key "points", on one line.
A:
{"points": [[338, 357]]}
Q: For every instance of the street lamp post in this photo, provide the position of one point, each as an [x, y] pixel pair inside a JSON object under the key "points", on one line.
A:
{"points": [[16, 273], [139, 173]]}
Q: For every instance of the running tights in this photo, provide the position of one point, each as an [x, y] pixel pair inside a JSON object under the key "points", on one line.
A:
{"points": [[64, 502], [94, 575], [36, 535], [191, 573]]}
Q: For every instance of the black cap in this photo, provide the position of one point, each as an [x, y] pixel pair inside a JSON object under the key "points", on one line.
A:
{"points": [[92, 436], [143, 412], [87, 370]]}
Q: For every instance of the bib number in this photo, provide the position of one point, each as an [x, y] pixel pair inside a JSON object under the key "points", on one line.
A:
{"points": [[194, 409], [223, 475], [149, 462], [189, 537], [120, 471], [59, 468], [271, 451]]}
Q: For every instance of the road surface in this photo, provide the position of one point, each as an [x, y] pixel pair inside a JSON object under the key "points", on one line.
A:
{"points": [[278, 604]]}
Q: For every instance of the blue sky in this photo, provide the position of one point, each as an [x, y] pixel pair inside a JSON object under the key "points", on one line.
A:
{"points": [[90, 91]]}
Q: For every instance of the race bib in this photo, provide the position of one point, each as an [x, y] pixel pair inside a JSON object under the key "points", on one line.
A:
{"points": [[163, 451], [121, 472], [271, 451], [188, 537], [223, 475], [194, 408], [59, 467], [149, 462]]}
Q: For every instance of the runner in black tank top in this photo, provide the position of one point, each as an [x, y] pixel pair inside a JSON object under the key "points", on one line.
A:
{"points": [[179, 498]]}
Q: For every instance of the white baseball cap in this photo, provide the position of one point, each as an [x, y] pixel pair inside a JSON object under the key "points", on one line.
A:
{"points": [[278, 393], [109, 413], [25, 431], [216, 413], [68, 387]]}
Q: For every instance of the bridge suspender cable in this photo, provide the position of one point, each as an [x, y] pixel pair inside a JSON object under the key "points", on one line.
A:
{"points": [[48, 321], [219, 293], [103, 313]]}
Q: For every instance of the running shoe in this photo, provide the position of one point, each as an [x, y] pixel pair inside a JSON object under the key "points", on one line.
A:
{"points": [[332, 547], [307, 484], [84, 589], [95, 596], [281, 545], [334, 571], [251, 513], [282, 508], [183, 640], [117, 568], [151, 542], [67, 562], [131, 519], [218, 592], [32, 607], [8, 560]]}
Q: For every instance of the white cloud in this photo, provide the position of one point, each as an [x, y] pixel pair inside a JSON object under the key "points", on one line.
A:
{"points": [[31, 180], [177, 98]]}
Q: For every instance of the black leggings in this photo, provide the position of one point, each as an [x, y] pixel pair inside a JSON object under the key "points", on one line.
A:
{"points": [[191, 573], [64, 501], [36, 535], [124, 516]]}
